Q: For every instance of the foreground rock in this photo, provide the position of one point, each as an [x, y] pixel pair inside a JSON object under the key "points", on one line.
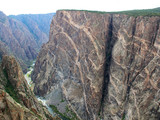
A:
{"points": [[103, 65], [17, 101]]}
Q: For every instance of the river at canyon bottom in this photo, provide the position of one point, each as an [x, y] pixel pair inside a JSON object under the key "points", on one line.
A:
{"points": [[30, 83]]}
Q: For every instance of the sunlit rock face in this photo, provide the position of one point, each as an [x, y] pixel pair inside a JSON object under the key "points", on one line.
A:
{"points": [[104, 66]]}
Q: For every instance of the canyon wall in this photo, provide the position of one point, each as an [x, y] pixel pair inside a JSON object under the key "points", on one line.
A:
{"points": [[17, 101], [104, 66], [23, 35]]}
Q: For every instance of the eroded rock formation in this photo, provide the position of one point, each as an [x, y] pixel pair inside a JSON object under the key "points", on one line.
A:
{"points": [[17, 101], [104, 65]]}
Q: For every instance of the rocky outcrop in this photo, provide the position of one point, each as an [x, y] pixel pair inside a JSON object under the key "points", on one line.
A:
{"points": [[23, 39], [104, 65], [17, 101]]}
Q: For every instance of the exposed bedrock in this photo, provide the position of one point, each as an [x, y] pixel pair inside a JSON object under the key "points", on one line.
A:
{"points": [[104, 66], [17, 101]]}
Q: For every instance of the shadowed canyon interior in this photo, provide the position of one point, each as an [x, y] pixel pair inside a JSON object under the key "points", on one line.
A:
{"points": [[103, 66]]}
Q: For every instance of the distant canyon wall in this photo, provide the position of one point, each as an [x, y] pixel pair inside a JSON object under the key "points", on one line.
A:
{"points": [[23, 35]]}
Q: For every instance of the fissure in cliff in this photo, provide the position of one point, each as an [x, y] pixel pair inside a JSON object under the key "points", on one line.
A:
{"points": [[110, 41], [116, 71]]}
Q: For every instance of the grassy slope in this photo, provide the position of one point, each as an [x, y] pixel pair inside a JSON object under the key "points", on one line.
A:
{"points": [[145, 12]]}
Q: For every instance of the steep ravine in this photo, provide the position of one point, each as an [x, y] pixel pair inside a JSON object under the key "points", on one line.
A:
{"points": [[31, 85], [104, 66], [17, 101]]}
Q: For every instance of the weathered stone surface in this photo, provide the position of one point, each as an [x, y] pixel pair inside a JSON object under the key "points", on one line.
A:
{"points": [[132, 89], [104, 66], [74, 59], [17, 101], [11, 110]]}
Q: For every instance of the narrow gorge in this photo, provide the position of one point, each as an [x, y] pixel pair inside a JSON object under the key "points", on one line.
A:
{"points": [[17, 100], [22, 36], [102, 66]]}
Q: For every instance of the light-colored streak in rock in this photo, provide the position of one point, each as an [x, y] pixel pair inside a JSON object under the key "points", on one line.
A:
{"points": [[115, 87], [77, 63], [115, 78], [122, 40], [139, 38], [84, 29], [124, 44], [57, 25], [153, 85], [121, 65], [147, 72], [87, 65], [93, 86], [119, 102], [85, 16], [93, 42], [130, 113], [95, 67], [135, 103], [84, 92], [73, 44], [65, 91], [71, 41]]}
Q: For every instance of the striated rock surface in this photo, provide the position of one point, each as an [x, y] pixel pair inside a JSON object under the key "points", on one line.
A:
{"points": [[74, 60], [133, 77], [17, 101], [23, 37], [105, 66]]}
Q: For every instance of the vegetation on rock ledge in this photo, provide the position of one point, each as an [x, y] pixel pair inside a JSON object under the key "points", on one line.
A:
{"points": [[10, 89], [135, 13], [68, 115]]}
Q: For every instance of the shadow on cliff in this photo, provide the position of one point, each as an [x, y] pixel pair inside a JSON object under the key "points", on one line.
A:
{"points": [[111, 39]]}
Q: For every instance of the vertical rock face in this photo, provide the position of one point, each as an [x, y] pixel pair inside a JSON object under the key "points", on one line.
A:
{"points": [[105, 66], [17, 101], [74, 59], [133, 86]]}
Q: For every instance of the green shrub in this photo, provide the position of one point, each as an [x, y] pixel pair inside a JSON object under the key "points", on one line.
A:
{"points": [[62, 100], [123, 116], [69, 115], [63, 116], [10, 89]]}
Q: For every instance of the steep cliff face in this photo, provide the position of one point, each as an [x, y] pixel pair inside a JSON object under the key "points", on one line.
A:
{"points": [[17, 101], [104, 65], [22, 39], [133, 82]]}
